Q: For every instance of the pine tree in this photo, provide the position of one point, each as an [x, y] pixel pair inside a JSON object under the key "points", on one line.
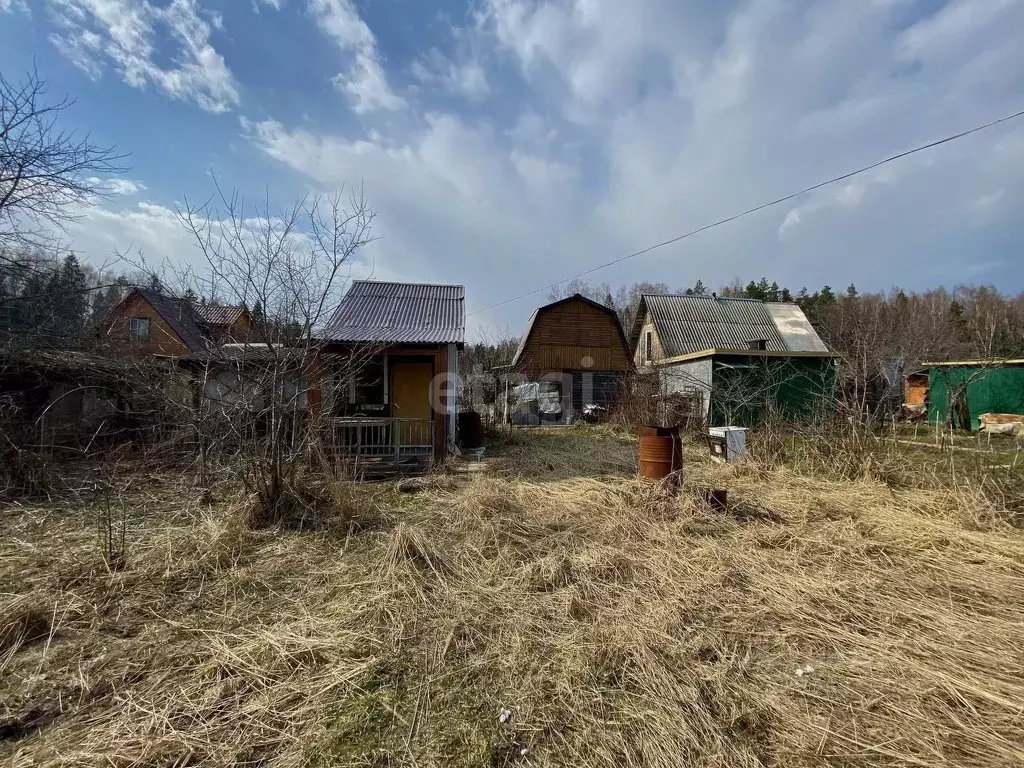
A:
{"points": [[699, 289], [71, 309]]}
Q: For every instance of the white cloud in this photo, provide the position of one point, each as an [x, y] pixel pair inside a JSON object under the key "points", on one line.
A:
{"points": [[640, 121], [468, 78], [116, 186], [850, 195], [792, 219], [986, 201], [129, 34], [452, 205], [593, 128], [122, 237], [364, 81]]}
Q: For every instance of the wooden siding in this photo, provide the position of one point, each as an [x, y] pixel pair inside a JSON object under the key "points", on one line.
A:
{"points": [[316, 366], [162, 338], [574, 336], [237, 332], [639, 354], [916, 389]]}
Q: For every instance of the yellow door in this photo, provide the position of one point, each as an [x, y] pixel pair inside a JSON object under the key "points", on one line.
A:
{"points": [[410, 399]]}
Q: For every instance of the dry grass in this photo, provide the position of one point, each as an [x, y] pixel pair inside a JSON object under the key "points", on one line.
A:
{"points": [[618, 626]]}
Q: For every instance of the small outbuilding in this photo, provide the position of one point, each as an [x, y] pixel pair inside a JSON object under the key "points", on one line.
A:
{"points": [[571, 361], [384, 379], [731, 361], [961, 391]]}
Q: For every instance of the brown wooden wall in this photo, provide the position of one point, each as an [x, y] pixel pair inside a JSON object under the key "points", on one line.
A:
{"points": [[565, 335], [916, 390], [237, 332], [162, 338], [316, 366]]}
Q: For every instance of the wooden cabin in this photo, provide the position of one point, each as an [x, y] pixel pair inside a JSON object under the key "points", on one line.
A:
{"points": [[572, 359], [384, 382], [150, 323]]}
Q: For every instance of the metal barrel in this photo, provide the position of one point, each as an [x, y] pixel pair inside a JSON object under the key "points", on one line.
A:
{"points": [[661, 452]]}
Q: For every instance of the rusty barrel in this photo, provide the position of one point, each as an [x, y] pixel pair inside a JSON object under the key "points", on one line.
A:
{"points": [[661, 452]]}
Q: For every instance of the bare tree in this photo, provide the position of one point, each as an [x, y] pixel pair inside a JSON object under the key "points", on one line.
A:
{"points": [[45, 171], [293, 266]]}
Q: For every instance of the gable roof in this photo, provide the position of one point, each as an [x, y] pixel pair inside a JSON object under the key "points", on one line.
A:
{"points": [[187, 320], [575, 297], [690, 324], [180, 315], [375, 311], [216, 315]]}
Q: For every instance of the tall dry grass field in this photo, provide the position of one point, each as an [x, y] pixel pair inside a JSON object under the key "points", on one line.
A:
{"points": [[612, 624]]}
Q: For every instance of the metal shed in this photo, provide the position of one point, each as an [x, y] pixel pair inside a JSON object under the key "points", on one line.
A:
{"points": [[961, 391]]}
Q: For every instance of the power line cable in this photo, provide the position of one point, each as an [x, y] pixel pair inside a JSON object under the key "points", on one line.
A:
{"points": [[755, 209]]}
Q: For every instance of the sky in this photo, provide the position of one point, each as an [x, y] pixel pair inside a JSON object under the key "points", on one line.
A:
{"points": [[505, 145]]}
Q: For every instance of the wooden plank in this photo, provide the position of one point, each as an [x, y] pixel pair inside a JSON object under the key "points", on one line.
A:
{"points": [[574, 336]]}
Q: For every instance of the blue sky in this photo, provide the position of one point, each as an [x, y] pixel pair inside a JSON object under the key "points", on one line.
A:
{"points": [[507, 144]]}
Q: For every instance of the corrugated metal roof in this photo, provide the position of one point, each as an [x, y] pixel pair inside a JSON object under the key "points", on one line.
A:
{"points": [[688, 324], [211, 315], [796, 330], [399, 313], [694, 323], [992, 362]]}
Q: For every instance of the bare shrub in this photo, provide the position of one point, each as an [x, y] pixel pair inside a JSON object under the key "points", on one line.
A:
{"points": [[293, 266]]}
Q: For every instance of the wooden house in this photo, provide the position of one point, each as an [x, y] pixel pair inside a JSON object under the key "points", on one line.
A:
{"points": [[384, 381], [730, 361], [154, 324], [573, 355]]}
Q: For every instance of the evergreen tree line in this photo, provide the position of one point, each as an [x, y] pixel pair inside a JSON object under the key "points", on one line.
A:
{"points": [[56, 302], [53, 301]]}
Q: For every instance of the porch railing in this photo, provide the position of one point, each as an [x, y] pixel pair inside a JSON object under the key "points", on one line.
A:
{"points": [[383, 438]]}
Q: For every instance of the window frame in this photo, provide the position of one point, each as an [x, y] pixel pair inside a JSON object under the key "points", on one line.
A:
{"points": [[143, 322]]}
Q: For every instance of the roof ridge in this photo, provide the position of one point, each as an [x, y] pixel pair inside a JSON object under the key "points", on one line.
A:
{"points": [[409, 283], [714, 298]]}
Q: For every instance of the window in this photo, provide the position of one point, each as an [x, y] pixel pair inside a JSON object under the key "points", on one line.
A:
{"points": [[368, 385], [360, 386], [647, 346], [139, 328]]}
